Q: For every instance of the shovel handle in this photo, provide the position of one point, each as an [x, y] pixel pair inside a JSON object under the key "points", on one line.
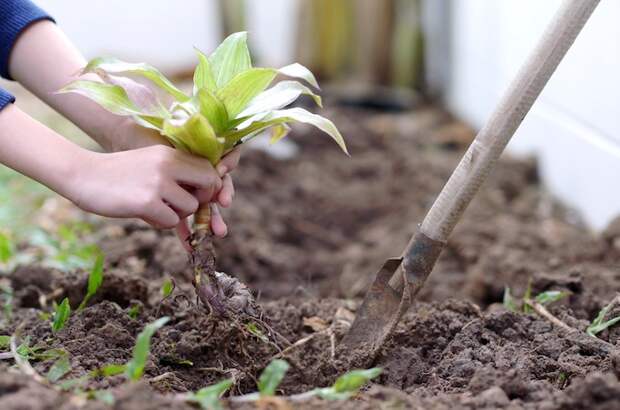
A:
{"points": [[490, 142]]}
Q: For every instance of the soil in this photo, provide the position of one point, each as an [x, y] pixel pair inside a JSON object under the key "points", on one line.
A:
{"points": [[306, 235]]}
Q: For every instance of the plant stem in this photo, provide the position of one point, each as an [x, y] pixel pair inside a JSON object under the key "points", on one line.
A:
{"points": [[203, 261]]}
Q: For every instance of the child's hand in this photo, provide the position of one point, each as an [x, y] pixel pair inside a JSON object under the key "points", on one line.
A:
{"points": [[157, 184]]}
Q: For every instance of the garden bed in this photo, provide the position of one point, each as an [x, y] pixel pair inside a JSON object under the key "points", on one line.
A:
{"points": [[307, 234]]}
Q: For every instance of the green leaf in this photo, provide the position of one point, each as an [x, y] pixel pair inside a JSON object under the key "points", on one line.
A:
{"points": [[348, 384], [286, 116], [213, 110], [209, 397], [550, 296], [509, 302], [253, 329], [61, 315], [598, 324], [5, 341], [242, 88], [6, 248], [230, 58], [277, 97], [297, 70], [103, 396], [272, 376], [141, 351], [111, 97], [95, 279], [167, 288], [59, 369], [109, 370], [134, 311], [197, 135], [203, 75], [115, 66]]}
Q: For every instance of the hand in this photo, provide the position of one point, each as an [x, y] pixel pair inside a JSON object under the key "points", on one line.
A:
{"points": [[150, 183], [223, 197]]}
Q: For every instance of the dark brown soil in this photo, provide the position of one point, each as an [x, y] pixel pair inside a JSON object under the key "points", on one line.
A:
{"points": [[307, 234]]}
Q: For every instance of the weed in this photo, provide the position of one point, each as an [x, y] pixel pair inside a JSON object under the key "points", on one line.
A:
{"points": [[209, 397], [61, 315], [95, 279], [135, 367], [599, 324]]}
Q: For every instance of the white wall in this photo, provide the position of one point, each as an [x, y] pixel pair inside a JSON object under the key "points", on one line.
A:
{"points": [[574, 128], [162, 32]]}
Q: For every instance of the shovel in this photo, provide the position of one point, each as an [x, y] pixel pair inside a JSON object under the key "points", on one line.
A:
{"points": [[400, 279]]}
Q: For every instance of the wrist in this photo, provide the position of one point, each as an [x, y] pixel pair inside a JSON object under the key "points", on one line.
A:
{"points": [[66, 174]]}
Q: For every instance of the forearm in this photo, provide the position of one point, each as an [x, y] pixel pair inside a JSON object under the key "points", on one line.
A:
{"points": [[43, 60], [36, 151]]}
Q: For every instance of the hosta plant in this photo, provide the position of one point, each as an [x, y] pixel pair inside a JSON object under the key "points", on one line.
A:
{"points": [[231, 102]]}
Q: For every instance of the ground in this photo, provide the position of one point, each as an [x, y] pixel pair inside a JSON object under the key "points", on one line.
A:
{"points": [[307, 234]]}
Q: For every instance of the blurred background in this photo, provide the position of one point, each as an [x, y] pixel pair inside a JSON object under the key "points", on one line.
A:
{"points": [[388, 55]]}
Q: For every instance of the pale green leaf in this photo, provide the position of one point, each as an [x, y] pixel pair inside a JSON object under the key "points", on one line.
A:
{"points": [[142, 349], [237, 94], [213, 110], [167, 288], [278, 132], [348, 384], [261, 122], [6, 248], [203, 74], [209, 397], [104, 396], [598, 324], [142, 96], [509, 302], [61, 315], [5, 341], [550, 296], [111, 97], [297, 70], [277, 97], [197, 135], [95, 279], [59, 369], [115, 66], [272, 376], [230, 58]]}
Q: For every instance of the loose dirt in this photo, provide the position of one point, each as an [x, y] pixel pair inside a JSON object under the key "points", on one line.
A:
{"points": [[306, 236]]}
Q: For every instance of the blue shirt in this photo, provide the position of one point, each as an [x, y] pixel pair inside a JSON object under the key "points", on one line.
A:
{"points": [[15, 16]]}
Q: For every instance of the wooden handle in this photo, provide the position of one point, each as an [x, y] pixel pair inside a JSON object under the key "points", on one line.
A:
{"points": [[500, 127]]}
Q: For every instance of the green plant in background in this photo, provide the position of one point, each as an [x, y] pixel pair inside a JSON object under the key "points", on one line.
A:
{"points": [[135, 367], [209, 397], [167, 287], [61, 315], [599, 323], [271, 377], [95, 279], [525, 305], [348, 384]]}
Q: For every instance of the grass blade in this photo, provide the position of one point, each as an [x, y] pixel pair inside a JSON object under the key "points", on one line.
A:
{"points": [[59, 369], [61, 314], [142, 349], [209, 397], [272, 376], [95, 279]]}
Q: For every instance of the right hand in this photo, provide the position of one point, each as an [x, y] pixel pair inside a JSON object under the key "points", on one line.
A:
{"points": [[150, 183]]}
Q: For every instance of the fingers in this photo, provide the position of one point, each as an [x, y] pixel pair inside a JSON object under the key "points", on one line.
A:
{"points": [[160, 216], [226, 194], [183, 233], [218, 226], [229, 162], [184, 203], [189, 169]]}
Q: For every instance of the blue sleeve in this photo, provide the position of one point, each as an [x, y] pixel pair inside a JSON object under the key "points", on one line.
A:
{"points": [[15, 16]]}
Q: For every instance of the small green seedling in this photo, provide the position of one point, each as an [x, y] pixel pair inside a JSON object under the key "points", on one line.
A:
{"points": [[167, 287], [254, 330], [348, 384], [209, 397], [599, 324], [61, 314], [544, 298], [141, 351], [134, 311], [65, 249], [7, 249], [95, 279], [271, 377], [5, 342], [59, 369]]}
